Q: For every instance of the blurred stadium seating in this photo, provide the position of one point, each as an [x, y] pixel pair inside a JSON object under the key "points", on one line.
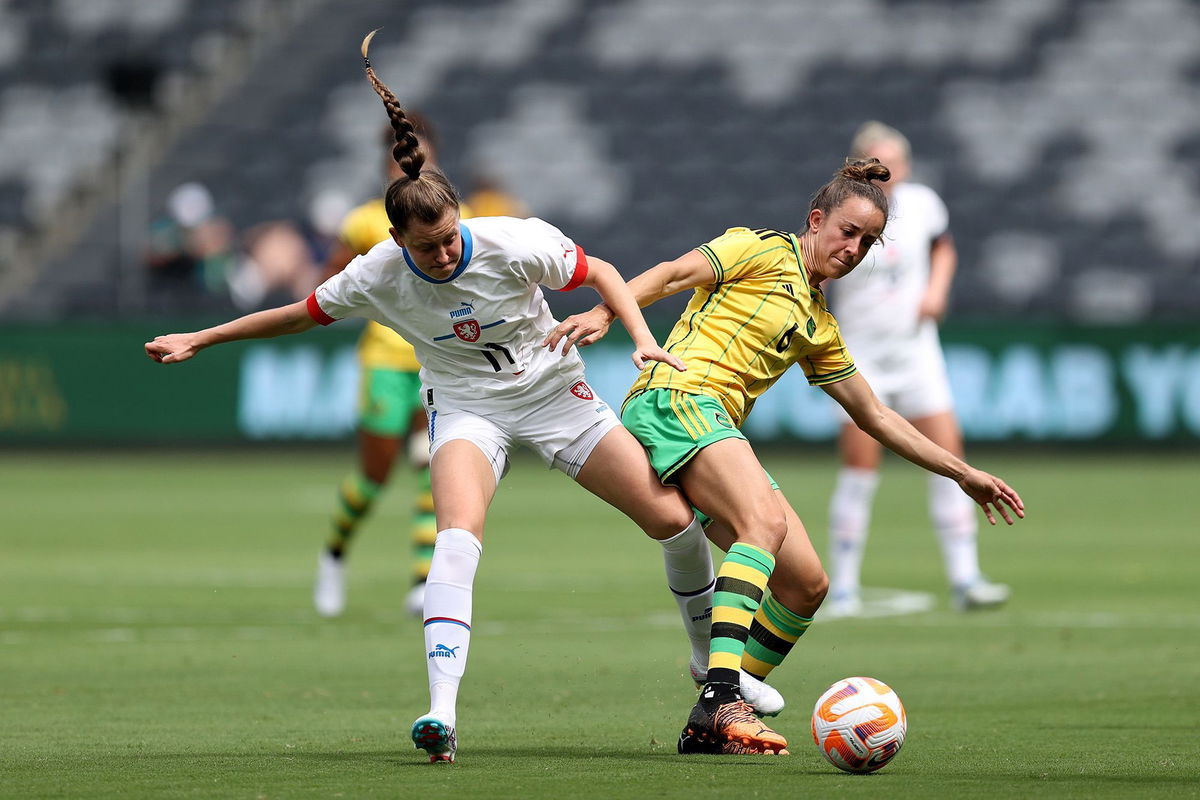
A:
{"points": [[1063, 134]]}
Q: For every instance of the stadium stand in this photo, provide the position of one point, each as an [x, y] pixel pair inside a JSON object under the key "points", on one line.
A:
{"points": [[1062, 133]]}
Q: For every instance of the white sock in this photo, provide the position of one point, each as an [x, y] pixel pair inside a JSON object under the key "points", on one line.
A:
{"points": [[690, 578], [849, 519], [953, 515], [448, 617]]}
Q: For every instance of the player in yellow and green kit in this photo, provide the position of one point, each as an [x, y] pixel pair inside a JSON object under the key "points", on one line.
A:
{"points": [[758, 308], [390, 416]]}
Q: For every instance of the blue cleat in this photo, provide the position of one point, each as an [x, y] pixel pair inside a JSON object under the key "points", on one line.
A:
{"points": [[436, 738]]}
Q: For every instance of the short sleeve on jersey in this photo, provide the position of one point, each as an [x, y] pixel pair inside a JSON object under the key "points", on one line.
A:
{"points": [[734, 254], [548, 256], [339, 297]]}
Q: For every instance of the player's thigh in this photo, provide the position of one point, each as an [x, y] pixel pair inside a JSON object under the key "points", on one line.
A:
{"points": [[618, 472], [463, 486], [469, 456], [726, 481]]}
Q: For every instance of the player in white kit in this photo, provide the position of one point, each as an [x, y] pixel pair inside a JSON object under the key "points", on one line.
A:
{"points": [[889, 310], [467, 296]]}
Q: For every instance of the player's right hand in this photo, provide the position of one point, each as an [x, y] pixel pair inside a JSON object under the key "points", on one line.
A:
{"points": [[990, 492], [171, 348]]}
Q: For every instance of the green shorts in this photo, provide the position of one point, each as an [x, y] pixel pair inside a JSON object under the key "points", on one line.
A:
{"points": [[674, 426], [664, 422], [387, 401]]}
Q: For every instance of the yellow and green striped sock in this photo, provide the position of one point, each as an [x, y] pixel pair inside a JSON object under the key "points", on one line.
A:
{"points": [[356, 495], [774, 630], [424, 527], [741, 581]]}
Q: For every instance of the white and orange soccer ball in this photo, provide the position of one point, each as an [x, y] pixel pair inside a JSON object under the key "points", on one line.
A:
{"points": [[859, 724]]}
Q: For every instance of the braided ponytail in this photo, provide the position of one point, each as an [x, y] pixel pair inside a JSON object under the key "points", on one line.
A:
{"points": [[422, 193]]}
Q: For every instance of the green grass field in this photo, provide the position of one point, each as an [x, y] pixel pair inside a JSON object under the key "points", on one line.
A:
{"points": [[157, 640]]}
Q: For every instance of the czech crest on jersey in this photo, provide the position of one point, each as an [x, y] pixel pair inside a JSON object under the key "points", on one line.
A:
{"points": [[468, 330], [582, 391]]}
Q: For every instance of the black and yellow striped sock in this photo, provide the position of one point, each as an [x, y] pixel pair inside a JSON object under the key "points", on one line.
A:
{"points": [[741, 581], [356, 495], [424, 527], [774, 630]]}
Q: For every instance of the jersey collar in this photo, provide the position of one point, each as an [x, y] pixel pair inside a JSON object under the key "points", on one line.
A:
{"points": [[467, 248]]}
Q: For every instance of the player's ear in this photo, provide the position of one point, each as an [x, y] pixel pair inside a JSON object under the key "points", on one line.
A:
{"points": [[815, 218], [395, 234]]}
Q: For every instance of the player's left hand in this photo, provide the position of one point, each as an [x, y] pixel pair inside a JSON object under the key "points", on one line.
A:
{"points": [[989, 491], [656, 353], [579, 329]]}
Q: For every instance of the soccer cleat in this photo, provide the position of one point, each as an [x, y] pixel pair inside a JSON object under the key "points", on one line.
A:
{"points": [[762, 697], [414, 602], [729, 728], [843, 604], [436, 738], [329, 593], [980, 594]]}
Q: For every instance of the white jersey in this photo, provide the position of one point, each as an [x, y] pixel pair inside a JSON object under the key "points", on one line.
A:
{"points": [[876, 305], [478, 334]]}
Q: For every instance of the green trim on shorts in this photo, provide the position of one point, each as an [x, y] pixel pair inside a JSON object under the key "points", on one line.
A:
{"points": [[674, 426], [387, 400]]}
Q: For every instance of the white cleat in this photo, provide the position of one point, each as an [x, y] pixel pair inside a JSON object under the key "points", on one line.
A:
{"points": [[329, 593], [843, 605], [980, 594], [762, 697], [436, 737], [414, 602]]}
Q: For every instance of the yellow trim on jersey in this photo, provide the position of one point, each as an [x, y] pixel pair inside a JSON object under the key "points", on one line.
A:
{"points": [[741, 333]]}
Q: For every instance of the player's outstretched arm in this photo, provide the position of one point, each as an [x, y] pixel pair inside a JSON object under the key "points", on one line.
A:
{"points": [[898, 435], [604, 278], [174, 347]]}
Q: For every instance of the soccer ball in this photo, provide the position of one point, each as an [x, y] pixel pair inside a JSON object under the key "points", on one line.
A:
{"points": [[859, 724]]}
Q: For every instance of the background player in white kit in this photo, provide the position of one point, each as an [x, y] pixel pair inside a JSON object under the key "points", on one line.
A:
{"points": [[466, 295], [889, 309]]}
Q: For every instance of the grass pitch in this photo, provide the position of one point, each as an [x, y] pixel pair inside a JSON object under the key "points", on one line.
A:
{"points": [[157, 640]]}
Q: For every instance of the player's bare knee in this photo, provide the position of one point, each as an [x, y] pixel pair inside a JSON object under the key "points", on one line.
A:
{"points": [[669, 522]]}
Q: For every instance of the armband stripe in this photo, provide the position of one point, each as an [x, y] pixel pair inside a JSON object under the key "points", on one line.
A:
{"points": [[581, 270], [314, 311]]}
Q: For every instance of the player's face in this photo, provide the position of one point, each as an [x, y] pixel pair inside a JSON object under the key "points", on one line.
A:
{"points": [[845, 235], [435, 248]]}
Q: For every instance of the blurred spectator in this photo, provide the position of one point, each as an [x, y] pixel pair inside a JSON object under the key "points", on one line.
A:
{"points": [[276, 268], [191, 249]]}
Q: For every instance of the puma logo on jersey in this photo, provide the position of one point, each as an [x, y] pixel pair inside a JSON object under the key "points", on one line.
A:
{"points": [[466, 311]]}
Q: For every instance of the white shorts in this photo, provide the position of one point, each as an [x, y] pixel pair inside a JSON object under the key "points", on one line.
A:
{"points": [[562, 428], [911, 381]]}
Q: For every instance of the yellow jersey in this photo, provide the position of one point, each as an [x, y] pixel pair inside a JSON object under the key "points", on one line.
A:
{"points": [[379, 347], [742, 332]]}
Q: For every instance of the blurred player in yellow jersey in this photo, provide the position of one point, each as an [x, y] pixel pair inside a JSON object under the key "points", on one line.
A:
{"points": [[390, 414]]}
